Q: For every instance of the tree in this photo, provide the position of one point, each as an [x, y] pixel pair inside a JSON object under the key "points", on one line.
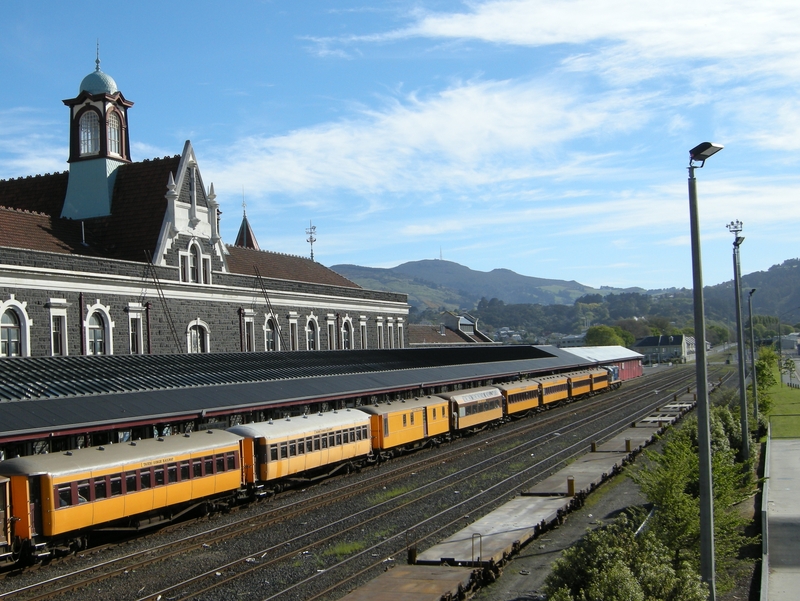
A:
{"points": [[670, 480], [603, 336], [590, 299], [614, 563]]}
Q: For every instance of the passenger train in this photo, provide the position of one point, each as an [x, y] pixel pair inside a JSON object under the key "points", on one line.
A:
{"points": [[49, 504]]}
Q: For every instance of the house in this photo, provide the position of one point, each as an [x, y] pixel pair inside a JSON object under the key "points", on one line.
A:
{"points": [[455, 329], [659, 349]]}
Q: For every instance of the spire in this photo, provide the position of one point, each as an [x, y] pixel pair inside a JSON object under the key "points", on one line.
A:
{"points": [[245, 238], [97, 60]]}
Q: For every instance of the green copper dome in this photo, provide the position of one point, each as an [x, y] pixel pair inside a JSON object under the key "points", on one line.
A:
{"points": [[98, 83]]}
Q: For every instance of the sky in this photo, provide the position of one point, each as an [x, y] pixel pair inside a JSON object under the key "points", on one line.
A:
{"points": [[549, 137]]}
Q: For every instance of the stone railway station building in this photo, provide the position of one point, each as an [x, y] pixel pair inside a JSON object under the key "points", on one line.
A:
{"points": [[123, 257]]}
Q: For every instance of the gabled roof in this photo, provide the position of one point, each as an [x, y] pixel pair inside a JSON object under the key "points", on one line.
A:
{"points": [[283, 267]]}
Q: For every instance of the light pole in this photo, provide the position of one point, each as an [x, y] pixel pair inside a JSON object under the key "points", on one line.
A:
{"points": [[753, 358], [699, 154], [735, 228]]}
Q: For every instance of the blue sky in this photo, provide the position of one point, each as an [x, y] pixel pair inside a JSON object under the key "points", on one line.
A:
{"points": [[547, 137]]}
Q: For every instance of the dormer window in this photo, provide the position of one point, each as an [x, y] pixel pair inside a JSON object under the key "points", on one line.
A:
{"points": [[114, 134], [90, 133], [195, 266]]}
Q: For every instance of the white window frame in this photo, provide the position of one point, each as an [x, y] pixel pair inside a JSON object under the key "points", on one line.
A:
{"points": [[294, 342], [312, 319], [192, 262], [58, 311], [330, 319], [108, 326], [276, 332], [362, 329], [401, 343], [249, 331], [379, 329], [390, 332], [114, 125], [135, 311], [203, 326], [25, 323], [348, 322]]}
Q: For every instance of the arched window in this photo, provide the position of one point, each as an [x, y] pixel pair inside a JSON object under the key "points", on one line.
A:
{"points": [[10, 334], [197, 335], [346, 336], [271, 335], [311, 335], [90, 133], [96, 335], [114, 134]]}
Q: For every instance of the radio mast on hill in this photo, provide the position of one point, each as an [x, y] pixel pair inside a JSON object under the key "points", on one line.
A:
{"points": [[311, 230]]}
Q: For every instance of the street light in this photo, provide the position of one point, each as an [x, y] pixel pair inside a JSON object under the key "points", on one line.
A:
{"points": [[735, 228], [699, 154]]}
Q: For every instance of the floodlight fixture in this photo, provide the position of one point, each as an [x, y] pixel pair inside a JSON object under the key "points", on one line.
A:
{"points": [[702, 151]]}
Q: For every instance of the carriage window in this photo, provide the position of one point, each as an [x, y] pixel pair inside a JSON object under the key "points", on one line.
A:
{"points": [[284, 451], [159, 476], [172, 473], [184, 470], [434, 413], [64, 495], [209, 465], [338, 439], [146, 479], [293, 448], [220, 464], [316, 442], [308, 444], [116, 485], [231, 461], [324, 441], [273, 452], [404, 420], [352, 433], [197, 468], [100, 488], [301, 446], [332, 439], [130, 483], [83, 491]]}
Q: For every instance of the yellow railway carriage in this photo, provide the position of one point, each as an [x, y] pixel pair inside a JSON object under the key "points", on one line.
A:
{"points": [[124, 485], [312, 445], [522, 396], [474, 408], [408, 424], [554, 388], [580, 384]]}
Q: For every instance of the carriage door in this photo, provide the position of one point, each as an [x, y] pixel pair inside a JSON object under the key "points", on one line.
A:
{"points": [[3, 511], [35, 492], [425, 423]]}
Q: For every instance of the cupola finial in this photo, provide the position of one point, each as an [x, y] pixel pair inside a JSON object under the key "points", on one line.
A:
{"points": [[97, 60]]}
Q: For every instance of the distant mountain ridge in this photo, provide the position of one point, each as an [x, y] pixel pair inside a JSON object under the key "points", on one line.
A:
{"points": [[434, 283]]}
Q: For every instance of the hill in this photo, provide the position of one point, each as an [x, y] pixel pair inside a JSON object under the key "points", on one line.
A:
{"points": [[433, 283]]}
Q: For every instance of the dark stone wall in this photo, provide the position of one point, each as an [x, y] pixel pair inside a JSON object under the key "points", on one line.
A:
{"points": [[222, 317]]}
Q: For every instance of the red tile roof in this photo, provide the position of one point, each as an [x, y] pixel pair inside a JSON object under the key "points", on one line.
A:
{"points": [[137, 213], [283, 267]]}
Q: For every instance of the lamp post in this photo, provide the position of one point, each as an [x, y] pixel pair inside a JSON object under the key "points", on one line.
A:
{"points": [[699, 154], [753, 358], [735, 228]]}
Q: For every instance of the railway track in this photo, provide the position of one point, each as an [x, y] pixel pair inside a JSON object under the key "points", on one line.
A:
{"points": [[522, 439]]}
